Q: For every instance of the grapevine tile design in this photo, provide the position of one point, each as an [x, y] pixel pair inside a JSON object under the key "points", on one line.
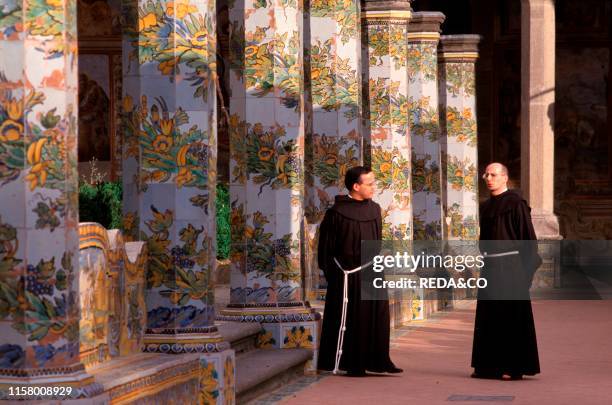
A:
{"points": [[39, 279]]}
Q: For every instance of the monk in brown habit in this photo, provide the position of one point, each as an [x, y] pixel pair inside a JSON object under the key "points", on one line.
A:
{"points": [[364, 345], [504, 332]]}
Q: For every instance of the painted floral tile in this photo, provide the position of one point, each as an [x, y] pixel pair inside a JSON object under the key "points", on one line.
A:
{"points": [[389, 124]]}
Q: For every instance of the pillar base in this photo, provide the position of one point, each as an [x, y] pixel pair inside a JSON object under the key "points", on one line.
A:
{"points": [[284, 326], [546, 225], [269, 313], [196, 340]]}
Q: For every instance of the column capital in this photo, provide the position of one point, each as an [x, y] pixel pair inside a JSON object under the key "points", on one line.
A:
{"points": [[426, 22], [385, 5], [537, 2], [386, 12], [458, 48]]}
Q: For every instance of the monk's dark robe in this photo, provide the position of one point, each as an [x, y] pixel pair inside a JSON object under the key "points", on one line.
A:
{"points": [[366, 340], [504, 332]]}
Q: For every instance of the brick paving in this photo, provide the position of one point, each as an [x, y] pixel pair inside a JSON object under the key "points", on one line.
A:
{"points": [[575, 346]]}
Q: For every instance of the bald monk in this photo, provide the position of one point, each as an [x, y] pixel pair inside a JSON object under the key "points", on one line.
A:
{"points": [[504, 332]]}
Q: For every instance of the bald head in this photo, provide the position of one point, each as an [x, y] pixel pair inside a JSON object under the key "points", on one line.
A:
{"points": [[498, 167], [496, 177]]}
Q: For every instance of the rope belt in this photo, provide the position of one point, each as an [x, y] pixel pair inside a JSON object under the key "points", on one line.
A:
{"points": [[344, 307], [514, 252]]}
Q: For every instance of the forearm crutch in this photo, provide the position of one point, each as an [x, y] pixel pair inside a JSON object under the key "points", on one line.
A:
{"points": [[344, 308]]}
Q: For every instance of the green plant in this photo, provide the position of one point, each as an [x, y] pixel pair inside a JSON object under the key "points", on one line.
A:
{"points": [[222, 204], [101, 203]]}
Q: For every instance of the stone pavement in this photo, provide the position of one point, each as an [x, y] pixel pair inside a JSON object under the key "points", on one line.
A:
{"points": [[575, 345]]}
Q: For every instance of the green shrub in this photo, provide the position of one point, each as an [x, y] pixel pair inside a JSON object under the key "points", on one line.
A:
{"points": [[101, 203], [223, 221]]}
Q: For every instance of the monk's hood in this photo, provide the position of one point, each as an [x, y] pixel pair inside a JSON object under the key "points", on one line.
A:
{"points": [[366, 210]]}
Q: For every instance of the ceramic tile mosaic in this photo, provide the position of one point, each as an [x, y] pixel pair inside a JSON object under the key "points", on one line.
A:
{"points": [[333, 117], [457, 92], [38, 190], [37, 147], [424, 121], [296, 126], [112, 294], [388, 118], [217, 378], [296, 335], [270, 336], [170, 152], [266, 151]]}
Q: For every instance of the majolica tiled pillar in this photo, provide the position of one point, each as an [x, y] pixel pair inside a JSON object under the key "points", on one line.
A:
{"points": [[267, 172], [39, 277], [333, 123], [169, 172], [169, 169], [457, 86], [387, 131], [423, 38], [385, 29]]}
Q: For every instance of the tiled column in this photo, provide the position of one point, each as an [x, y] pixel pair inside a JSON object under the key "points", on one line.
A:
{"points": [[386, 109], [537, 113], [423, 38], [169, 170], [39, 278], [169, 174], [385, 30], [457, 57], [333, 117], [267, 172]]}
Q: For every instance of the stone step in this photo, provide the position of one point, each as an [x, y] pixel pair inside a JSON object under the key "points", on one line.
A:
{"points": [[261, 371], [141, 376], [241, 335]]}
